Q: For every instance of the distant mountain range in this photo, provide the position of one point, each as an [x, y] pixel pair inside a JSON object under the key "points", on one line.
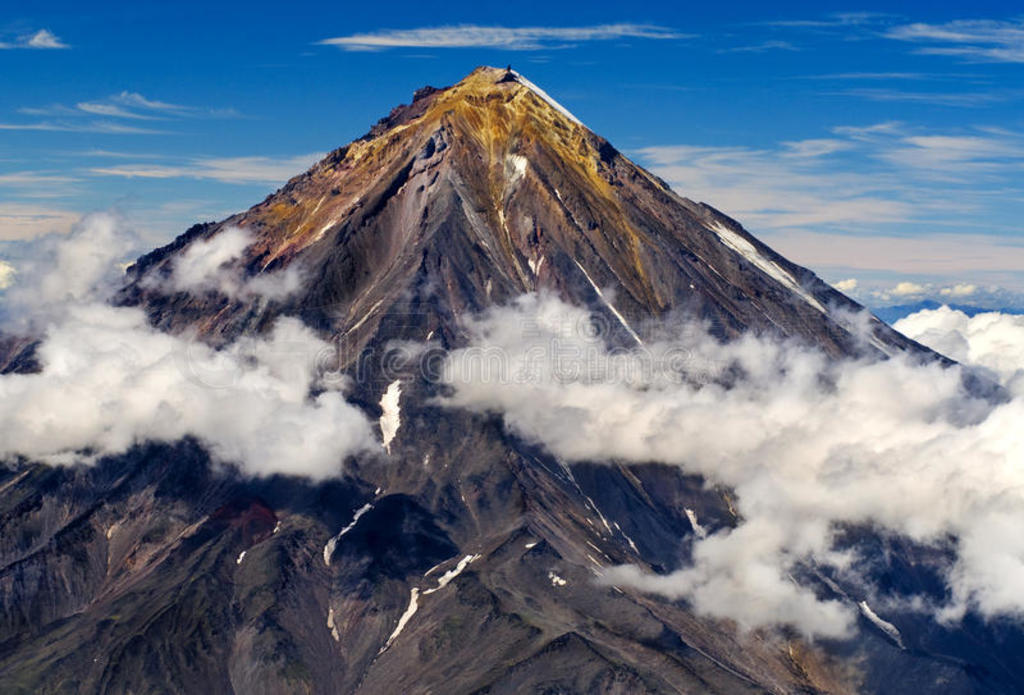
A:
{"points": [[892, 314]]}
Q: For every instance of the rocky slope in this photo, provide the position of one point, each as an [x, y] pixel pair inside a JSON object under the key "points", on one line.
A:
{"points": [[462, 561]]}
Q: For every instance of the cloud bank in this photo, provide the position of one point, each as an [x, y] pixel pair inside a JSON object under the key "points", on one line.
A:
{"points": [[110, 381], [808, 446], [990, 340]]}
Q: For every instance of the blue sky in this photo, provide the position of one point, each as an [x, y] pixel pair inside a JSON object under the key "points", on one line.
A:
{"points": [[874, 142]]}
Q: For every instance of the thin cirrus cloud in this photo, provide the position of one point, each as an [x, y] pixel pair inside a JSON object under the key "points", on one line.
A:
{"points": [[762, 47], [237, 170], [976, 40], [41, 40], [965, 99], [886, 172], [92, 127], [124, 106], [508, 38], [835, 202]]}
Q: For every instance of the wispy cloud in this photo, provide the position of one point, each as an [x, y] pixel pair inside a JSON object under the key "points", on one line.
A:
{"points": [[789, 186], [833, 20], [833, 202], [895, 76], [33, 178], [91, 127], [136, 100], [508, 38], [966, 99], [237, 170], [37, 184], [111, 110], [123, 106], [762, 47], [977, 40], [40, 39]]}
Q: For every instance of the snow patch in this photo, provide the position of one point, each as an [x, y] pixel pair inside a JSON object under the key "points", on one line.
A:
{"points": [[743, 247], [884, 625], [277, 527], [600, 295], [414, 599], [331, 626], [517, 163], [531, 544], [451, 574], [626, 536], [241, 556], [333, 542], [556, 580], [546, 97], [390, 419], [697, 528], [535, 265]]}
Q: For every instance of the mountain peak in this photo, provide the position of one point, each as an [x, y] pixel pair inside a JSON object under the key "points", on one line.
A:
{"points": [[474, 194]]}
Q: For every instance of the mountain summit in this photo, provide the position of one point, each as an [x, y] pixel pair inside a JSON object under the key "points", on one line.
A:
{"points": [[462, 558], [477, 193]]}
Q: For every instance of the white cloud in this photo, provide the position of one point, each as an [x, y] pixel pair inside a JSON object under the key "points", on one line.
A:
{"points": [[509, 38], [41, 39], [814, 147], [893, 445], [211, 265], [111, 110], [238, 170], [977, 40], [81, 265], [991, 340], [109, 380], [959, 290], [44, 38], [908, 289], [7, 273], [848, 285], [136, 100]]}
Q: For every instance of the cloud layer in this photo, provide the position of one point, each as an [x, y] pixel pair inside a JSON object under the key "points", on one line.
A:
{"points": [[110, 381], [808, 446]]}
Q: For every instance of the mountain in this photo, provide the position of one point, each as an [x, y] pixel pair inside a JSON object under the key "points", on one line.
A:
{"points": [[463, 560], [892, 314]]}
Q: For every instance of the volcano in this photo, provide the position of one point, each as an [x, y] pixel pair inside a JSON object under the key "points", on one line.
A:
{"points": [[461, 559]]}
